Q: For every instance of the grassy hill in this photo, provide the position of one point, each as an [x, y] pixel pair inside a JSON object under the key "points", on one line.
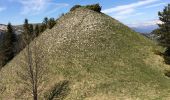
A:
{"points": [[100, 57]]}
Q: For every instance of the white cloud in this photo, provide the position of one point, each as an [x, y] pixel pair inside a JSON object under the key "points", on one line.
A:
{"points": [[33, 7], [145, 23], [129, 6], [57, 6], [156, 5], [2, 9], [128, 11], [121, 17]]}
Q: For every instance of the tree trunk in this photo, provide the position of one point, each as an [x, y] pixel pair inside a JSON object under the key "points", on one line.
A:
{"points": [[35, 95]]}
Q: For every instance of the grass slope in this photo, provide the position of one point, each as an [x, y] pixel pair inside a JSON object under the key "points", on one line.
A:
{"points": [[102, 58]]}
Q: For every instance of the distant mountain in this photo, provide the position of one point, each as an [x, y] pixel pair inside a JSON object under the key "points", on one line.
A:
{"points": [[145, 29], [3, 27], [17, 28]]}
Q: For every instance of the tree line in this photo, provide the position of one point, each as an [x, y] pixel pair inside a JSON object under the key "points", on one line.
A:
{"points": [[13, 43]]}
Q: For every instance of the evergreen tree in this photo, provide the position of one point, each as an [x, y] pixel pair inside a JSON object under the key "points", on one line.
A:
{"points": [[8, 44], [163, 32], [26, 33], [51, 23], [31, 31], [45, 22], [36, 30], [42, 28]]}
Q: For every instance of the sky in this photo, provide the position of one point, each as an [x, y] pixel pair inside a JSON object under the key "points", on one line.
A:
{"points": [[130, 12]]}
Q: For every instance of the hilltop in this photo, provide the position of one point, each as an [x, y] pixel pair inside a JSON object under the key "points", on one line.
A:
{"points": [[100, 57]]}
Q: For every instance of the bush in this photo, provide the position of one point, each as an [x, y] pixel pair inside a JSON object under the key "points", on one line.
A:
{"points": [[95, 7], [51, 23], [75, 7], [59, 91], [167, 73]]}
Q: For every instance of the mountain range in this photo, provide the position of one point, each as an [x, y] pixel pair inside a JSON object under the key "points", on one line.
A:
{"points": [[145, 29]]}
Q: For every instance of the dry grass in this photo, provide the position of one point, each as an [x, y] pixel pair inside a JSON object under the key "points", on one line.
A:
{"points": [[102, 59]]}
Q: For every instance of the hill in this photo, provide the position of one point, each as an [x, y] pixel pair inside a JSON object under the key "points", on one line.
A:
{"points": [[100, 57]]}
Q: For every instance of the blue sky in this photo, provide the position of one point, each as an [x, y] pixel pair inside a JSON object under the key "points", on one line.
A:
{"points": [[129, 12]]}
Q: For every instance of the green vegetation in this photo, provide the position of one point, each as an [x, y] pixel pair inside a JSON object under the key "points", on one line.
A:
{"points": [[28, 31], [47, 24], [51, 23], [37, 30], [100, 57], [75, 7], [12, 44], [94, 7], [163, 32], [7, 47]]}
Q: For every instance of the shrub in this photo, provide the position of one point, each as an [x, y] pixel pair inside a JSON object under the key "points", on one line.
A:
{"points": [[167, 59], [59, 91], [95, 7], [51, 23], [75, 7], [167, 73]]}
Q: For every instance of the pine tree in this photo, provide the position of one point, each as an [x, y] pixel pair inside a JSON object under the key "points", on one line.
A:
{"points": [[8, 44], [42, 28], [51, 23], [163, 32], [26, 28], [27, 32], [45, 22], [36, 30], [31, 31]]}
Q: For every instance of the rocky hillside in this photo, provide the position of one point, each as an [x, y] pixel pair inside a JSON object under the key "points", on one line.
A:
{"points": [[101, 58]]}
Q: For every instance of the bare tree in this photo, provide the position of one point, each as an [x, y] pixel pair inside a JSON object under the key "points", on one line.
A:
{"points": [[33, 69]]}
